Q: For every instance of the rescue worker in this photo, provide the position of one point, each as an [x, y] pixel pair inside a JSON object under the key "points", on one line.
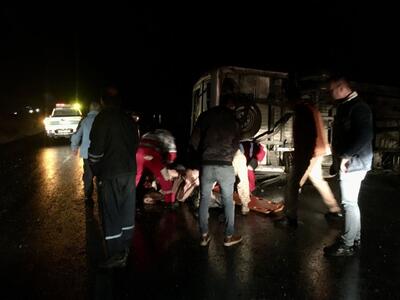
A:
{"points": [[113, 139], [254, 153], [156, 151], [244, 162]]}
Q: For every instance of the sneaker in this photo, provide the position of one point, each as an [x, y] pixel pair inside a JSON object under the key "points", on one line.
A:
{"points": [[232, 240], [205, 240], [245, 210], [339, 249], [286, 222], [333, 216]]}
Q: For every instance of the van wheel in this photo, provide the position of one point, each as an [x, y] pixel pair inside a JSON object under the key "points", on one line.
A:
{"points": [[249, 117]]}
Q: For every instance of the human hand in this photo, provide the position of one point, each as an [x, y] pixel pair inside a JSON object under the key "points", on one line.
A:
{"points": [[75, 152], [344, 165], [173, 173]]}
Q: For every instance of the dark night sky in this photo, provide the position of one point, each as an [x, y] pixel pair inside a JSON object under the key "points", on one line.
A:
{"points": [[156, 53]]}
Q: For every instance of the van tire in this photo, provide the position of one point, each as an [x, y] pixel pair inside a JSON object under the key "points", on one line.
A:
{"points": [[249, 118]]}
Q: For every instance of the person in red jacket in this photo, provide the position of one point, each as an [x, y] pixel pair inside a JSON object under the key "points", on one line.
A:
{"points": [[156, 151], [254, 153]]}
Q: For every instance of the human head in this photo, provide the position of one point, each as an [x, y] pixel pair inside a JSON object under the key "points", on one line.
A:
{"points": [[110, 97], [135, 116], [228, 101], [95, 106], [339, 88]]}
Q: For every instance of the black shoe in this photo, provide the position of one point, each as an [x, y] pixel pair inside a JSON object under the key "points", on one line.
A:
{"points": [[115, 261], [333, 216], [339, 249], [357, 245], [89, 201], [286, 222]]}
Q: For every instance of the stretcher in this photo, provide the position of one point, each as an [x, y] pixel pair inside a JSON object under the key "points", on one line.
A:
{"points": [[260, 204]]}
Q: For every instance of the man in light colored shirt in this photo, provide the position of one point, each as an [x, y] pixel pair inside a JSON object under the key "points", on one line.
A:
{"points": [[80, 140]]}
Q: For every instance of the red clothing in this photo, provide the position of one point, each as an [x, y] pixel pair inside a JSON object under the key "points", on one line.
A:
{"points": [[321, 143], [254, 153], [157, 149], [252, 150], [149, 158]]}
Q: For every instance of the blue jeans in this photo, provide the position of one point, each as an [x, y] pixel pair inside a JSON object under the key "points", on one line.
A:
{"points": [[350, 184], [225, 176]]}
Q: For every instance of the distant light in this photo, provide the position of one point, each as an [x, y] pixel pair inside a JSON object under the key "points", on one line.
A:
{"points": [[77, 106], [37, 109], [15, 113], [31, 111]]}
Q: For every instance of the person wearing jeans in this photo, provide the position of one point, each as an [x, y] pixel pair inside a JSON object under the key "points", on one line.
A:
{"points": [[350, 184], [215, 140], [352, 147], [225, 175]]}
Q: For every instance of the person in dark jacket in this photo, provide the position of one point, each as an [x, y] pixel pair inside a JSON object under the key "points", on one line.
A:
{"points": [[216, 138], [352, 145], [113, 141]]}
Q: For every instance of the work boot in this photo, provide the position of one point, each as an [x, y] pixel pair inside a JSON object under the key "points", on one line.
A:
{"points": [[89, 201], [116, 261]]}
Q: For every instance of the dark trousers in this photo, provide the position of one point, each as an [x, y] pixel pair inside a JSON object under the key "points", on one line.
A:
{"points": [[300, 166], [117, 207], [87, 178]]}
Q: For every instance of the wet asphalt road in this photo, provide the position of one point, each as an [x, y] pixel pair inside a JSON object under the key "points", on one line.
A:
{"points": [[50, 242]]}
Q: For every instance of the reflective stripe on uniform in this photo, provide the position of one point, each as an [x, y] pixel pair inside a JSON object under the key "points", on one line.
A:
{"points": [[128, 227], [111, 237]]}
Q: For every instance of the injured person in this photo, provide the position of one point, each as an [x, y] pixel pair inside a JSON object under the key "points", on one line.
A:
{"points": [[186, 186]]}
